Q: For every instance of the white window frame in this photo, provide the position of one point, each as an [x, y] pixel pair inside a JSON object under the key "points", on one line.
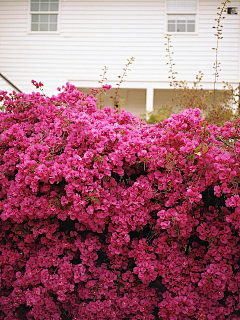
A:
{"points": [[187, 33], [41, 13]]}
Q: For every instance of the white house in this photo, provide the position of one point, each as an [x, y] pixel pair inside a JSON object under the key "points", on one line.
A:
{"points": [[55, 41]]}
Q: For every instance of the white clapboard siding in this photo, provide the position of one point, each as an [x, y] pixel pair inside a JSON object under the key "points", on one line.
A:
{"points": [[94, 34], [5, 86]]}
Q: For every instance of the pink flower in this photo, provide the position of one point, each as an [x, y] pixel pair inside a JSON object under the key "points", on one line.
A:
{"points": [[106, 87], [104, 216]]}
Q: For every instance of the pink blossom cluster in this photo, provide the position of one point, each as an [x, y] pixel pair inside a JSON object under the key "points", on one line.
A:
{"points": [[105, 217]]}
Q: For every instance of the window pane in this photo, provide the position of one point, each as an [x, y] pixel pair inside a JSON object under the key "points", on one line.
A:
{"points": [[44, 1], [44, 27], [53, 18], [171, 27], [34, 27], [35, 17], [190, 28], [53, 27], [181, 21], [54, 7], [34, 7], [181, 27], [44, 22], [44, 7], [181, 6], [44, 18]]}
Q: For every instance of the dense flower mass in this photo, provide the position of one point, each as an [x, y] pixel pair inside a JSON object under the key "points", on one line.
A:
{"points": [[105, 217]]}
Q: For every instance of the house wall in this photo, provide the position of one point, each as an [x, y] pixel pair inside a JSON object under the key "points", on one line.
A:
{"points": [[5, 86], [94, 34]]}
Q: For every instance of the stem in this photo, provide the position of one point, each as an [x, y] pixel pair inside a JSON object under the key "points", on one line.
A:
{"points": [[104, 78], [125, 69], [173, 82], [219, 28]]}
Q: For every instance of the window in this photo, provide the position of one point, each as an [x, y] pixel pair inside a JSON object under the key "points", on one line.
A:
{"points": [[44, 15], [181, 15]]}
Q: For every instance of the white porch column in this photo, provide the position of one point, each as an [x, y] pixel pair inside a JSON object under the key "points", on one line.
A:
{"points": [[149, 101]]}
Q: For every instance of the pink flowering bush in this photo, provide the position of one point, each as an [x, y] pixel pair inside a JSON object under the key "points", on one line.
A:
{"points": [[105, 217]]}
